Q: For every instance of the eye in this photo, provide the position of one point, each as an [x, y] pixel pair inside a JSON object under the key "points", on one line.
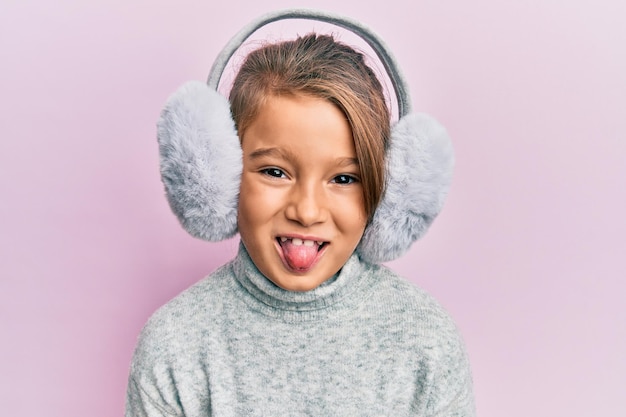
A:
{"points": [[344, 179], [274, 172]]}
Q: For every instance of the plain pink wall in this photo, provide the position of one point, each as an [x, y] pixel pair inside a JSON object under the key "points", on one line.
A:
{"points": [[528, 255]]}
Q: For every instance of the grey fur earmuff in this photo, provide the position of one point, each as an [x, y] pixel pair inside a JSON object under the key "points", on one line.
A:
{"points": [[201, 159]]}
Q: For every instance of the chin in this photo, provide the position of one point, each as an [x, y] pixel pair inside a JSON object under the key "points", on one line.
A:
{"points": [[299, 281]]}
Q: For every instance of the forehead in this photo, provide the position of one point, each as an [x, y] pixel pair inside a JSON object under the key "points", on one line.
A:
{"points": [[299, 126]]}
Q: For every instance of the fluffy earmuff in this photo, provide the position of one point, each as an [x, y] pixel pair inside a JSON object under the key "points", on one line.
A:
{"points": [[201, 161], [420, 162], [201, 158]]}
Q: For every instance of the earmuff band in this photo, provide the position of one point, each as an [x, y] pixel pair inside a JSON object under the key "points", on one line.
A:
{"points": [[377, 44]]}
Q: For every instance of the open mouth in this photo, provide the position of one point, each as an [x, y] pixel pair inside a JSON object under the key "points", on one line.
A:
{"points": [[300, 255], [301, 242]]}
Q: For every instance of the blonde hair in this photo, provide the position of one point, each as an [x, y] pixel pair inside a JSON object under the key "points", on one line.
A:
{"points": [[318, 65]]}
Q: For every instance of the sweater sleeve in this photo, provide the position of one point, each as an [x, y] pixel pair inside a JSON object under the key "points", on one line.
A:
{"points": [[152, 390], [139, 403], [169, 373], [451, 390]]}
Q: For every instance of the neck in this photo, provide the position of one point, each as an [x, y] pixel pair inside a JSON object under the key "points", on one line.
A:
{"points": [[340, 292]]}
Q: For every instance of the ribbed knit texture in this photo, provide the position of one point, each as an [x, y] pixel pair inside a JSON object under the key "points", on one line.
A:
{"points": [[364, 343]]}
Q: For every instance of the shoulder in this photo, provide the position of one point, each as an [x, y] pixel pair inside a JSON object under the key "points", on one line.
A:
{"points": [[416, 309], [435, 338], [181, 324], [171, 345], [415, 305]]}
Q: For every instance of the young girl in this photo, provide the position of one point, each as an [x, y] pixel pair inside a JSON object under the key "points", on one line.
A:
{"points": [[299, 324]]}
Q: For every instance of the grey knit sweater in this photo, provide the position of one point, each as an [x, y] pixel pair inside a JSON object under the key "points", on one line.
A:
{"points": [[364, 343]]}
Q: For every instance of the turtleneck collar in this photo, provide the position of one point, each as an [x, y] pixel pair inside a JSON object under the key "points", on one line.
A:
{"points": [[341, 293]]}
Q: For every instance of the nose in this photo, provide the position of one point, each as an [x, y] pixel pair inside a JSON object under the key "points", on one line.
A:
{"points": [[307, 204]]}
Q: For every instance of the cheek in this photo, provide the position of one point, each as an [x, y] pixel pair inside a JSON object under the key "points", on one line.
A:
{"points": [[256, 206], [246, 215], [350, 214]]}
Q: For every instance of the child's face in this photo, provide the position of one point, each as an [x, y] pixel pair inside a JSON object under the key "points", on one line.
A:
{"points": [[301, 209]]}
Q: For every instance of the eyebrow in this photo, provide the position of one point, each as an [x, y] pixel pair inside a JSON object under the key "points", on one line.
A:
{"points": [[285, 154], [275, 152], [345, 162]]}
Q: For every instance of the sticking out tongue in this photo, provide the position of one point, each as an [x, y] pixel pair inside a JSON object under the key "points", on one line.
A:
{"points": [[300, 255]]}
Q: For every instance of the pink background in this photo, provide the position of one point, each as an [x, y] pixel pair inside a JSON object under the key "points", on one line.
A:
{"points": [[528, 255]]}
